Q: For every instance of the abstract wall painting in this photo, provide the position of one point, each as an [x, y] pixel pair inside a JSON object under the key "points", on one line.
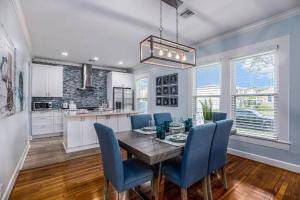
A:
{"points": [[12, 65], [7, 106], [20, 64]]}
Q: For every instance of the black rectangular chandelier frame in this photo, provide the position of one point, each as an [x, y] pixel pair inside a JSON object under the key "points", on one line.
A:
{"points": [[176, 46]]}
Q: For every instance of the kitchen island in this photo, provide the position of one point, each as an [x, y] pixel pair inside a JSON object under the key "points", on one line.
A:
{"points": [[79, 132]]}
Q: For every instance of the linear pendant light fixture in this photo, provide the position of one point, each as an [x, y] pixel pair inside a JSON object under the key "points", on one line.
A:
{"points": [[158, 51]]}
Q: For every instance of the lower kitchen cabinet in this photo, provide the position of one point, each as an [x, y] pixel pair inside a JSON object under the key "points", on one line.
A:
{"points": [[46, 123], [80, 134]]}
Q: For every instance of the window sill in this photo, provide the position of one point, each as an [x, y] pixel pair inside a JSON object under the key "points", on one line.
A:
{"points": [[263, 142]]}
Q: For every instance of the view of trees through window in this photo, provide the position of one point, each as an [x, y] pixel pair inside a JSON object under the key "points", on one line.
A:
{"points": [[254, 98]]}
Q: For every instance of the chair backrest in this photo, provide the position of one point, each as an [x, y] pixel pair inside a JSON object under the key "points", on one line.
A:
{"points": [[140, 121], [111, 157], [218, 152], [195, 158], [160, 118], [218, 116]]}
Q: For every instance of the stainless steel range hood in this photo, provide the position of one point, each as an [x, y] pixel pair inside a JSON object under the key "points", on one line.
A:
{"points": [[87, 77]]}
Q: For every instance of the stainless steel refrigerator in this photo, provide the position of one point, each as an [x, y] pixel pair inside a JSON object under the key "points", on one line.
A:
{"points": [[123, 98]]}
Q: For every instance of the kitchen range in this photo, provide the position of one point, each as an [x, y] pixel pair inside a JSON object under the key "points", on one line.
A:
{"points": [[68, 100]]}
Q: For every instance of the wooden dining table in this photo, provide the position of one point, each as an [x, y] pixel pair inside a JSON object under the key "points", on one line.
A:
{"points": [[150, 150]]}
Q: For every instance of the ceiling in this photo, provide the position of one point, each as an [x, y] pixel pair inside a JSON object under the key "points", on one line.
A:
{"points": [[112, 30]]}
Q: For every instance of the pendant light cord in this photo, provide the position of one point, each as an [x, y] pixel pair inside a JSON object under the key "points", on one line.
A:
{"points": [[161, 22], [177, 24]]}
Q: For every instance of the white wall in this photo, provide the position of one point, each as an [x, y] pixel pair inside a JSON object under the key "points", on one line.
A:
{"points": [[14, 130], [183, 84]]}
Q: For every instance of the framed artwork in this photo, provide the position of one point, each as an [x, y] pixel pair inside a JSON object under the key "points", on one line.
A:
{"points": [[159, 80], [174, 101], [165, 101], [174, 79], [166, 80], [165, 90], [174, 90], [159, 91], [158, 101], [7, 75]]}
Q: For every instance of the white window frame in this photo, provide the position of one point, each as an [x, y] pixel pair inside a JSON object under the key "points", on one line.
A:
{"points": [[136, 78], [282, 43], [195, 84]]}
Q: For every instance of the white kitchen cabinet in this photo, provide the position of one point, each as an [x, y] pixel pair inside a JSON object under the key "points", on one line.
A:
{"points": [[112, 122], [39, 81], [47, 122], [89, 132], [124, 123], [47, 81], [55, 82], [74, 129]]}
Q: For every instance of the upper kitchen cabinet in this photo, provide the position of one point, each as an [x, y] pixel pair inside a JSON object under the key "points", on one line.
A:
{"points": [[47, 81], [119, 79]]}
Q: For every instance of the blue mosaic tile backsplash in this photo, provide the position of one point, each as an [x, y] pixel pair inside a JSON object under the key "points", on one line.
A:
{"points": [[73, 81]]}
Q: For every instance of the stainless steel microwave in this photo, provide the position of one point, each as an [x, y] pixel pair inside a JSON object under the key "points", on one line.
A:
{"points": [[41, 105]]}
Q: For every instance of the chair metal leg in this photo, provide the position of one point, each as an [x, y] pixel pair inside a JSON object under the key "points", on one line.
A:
{"points": [[224, 177], [204, 188], [105, 191], [210, 196], [183, 194]]}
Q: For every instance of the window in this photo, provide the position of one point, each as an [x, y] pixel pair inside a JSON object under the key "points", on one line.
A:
{"points": [[208, 88], [254, 95], [141, 85]]}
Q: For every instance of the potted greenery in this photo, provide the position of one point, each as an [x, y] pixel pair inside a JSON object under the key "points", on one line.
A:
{"points": [[207, 110]]}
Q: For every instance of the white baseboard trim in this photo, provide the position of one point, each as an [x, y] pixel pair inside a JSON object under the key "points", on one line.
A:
{"points": [[14, 176], [80, 148], [265, 160]]}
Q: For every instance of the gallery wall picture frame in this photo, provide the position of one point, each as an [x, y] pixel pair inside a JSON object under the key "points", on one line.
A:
{"points": [[167, 90], [166, 80], [174, 90], [173, 101], [159, 91], [174, 78], [159, 80], [165, 101], [159, 101]]}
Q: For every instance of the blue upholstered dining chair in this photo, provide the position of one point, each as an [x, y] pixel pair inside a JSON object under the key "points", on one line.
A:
{"points": [[140, 121], [160, 118], [123, 175], [218, 152], [193, 165], [217, 116]]}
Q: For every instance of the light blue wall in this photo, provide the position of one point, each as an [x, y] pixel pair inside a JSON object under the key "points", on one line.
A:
{"points": [[291, 27]]}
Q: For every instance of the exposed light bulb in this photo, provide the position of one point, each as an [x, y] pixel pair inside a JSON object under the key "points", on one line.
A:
{"points": [[184, 57], [161, 52], [64, 53], [169, 54], [177, 56]]}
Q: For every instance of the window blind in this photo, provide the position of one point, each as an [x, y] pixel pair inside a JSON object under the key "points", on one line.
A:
{"points": [[254, 95]]}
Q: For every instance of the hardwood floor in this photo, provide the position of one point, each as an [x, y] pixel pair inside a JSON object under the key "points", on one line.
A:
{"points": [[82, 178], [47, 151]]}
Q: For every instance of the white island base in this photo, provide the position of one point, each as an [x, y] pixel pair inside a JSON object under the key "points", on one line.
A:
{"points": [[79, 131]]}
